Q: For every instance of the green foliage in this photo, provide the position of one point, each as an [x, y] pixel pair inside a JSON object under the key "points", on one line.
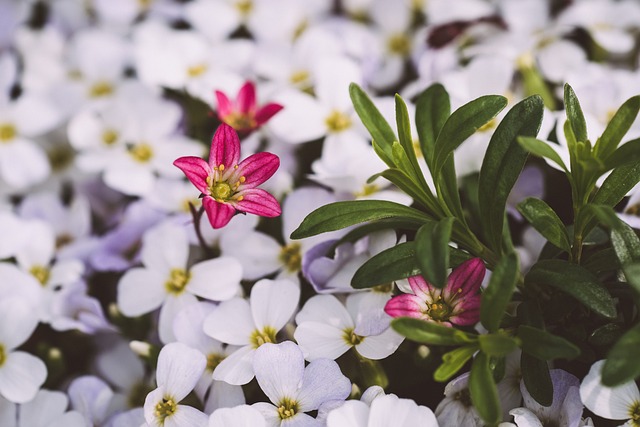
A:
{"points": [[545, 220], [545, 346], [622, 361], [432, 252], [499, 291], [484, 392], [426, 332]]}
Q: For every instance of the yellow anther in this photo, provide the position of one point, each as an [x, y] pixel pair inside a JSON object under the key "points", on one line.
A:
{"points": [[242, 179], [7, 132], [240, 198], [221, 168]]}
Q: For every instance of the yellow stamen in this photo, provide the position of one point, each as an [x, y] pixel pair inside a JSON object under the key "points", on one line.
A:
{"points": [[337, 121], [287, 408], [178, 279], [267, 335], [7, 132], [41, 273], [141, 152], [100, 89], [165, 409], [197, 70]]}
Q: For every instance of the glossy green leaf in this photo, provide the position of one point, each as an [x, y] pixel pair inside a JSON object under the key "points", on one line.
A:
{"points": [[497, 345], [545, 346], [372, 227], [574, 114], [627, 153], [430, 332], [632, 273], [622, 364], [503, 163], [606, 334], [453, 361], [541, 149], [618, 127], [499, 291], [432, 243], [545, 220], [617, 185], [406, 139], [432, 111], [462, 124], [537, 379], [339, 215], [375, 123], [484, 393], [624, 240], [574, 281], [420, 194]]}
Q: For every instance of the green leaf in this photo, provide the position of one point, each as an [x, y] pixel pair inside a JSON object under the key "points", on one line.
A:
{"points": [[433, 108], [606, 334], [617, 185], [375, 123], [453, 361], [632, 273], [372, 227], [462, 124], [432, 243], [622, 365], [497, 345], [397, 262], [541, 149], [574, 281], [503, 163], [617, 128], [545, 220], [545, 346], [498, 293], [536, 377], [421, 195], [627, 153], [624, 240], [339, 215], [402, 161], [484, 393], [431, 333], [406, 139], [574, 114]]}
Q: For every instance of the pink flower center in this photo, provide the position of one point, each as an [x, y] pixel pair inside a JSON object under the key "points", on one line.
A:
{"points": [[224, 184], [241, 121], [440, 311]]}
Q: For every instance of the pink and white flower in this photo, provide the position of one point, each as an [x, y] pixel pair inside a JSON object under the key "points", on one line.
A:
{"points": [[228, 184], [242, 114], [457, 303]]}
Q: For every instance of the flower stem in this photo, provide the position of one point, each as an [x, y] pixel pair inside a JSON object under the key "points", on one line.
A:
{"points": [[197, 216]]}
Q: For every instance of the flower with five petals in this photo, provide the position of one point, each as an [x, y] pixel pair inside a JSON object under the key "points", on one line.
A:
{"points": [[243, 114]]}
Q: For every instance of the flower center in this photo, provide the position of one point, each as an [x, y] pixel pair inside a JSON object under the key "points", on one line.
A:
{"points": [[109, 137], [40, 273], [63, 240], [223, 187], [141, 153], [197, 70], [287, 408], [7, 132], [60, 157], [367, 190], [439, 311], [100, 89], [351, 338], [244, 7], [298, 77], [383, 289], [267, 335], [634, 412], [633, 210], [291, 257], [337, 121], [178, 279], [399, 44], [165, 409], [213, 360], [221, 190], [241, 121], [463, 397], [3, 355]]}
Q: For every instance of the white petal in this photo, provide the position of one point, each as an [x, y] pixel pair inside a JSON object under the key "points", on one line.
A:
{"points": [[120, 365], [525, 418], [325, 309], [257, 252], [279, 369], [273, 302], [8, 413], [377, 347], [231, 322], [165, 247], [216, 279], [91, 397], [140, 291], [389, 410], [11, 228], [17, 322], [129, 178], [613, 39], [23, 163], [240, 416], [186, 416], [237, 368], [321, 340], [39, 247], [46, 406], [322, 382], [301, 120], [34, 116], [179, 369], [224, 395], [352, 414], [172, 305], [612, 403], [72, 419], [187, 327], [21, 376]]}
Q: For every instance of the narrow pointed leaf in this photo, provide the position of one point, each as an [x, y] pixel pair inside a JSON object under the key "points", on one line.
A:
{"points": [[622, 364], [536, 377], [484, 393], [545, 221], [541, 149], [406, 140], [453, 361], [433, 108], [497, 345], [624, 240], [504, 162], [432, 243], [627, 153], [574, 281], [543, 345], [618, 127], [574, 114], [498, 293], [430, 332]]}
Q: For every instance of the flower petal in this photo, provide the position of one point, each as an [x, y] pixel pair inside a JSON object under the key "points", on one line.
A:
{"points": [[18, 320], [608, 402], [186, 416], [258, 202], [179, 369], [219, 214], [258, 168], [378, 347], [353, 414], [216, 279], [172, 305], [406, 306], [322, 381], [467, 311], [325, 309], [225, 107], [421, 288], [319, 340], [265, 113], [279, 369], [465, 279], [240, 416], [231, 322], [237, 368], [390, 410], [196, 170], [225, 147], [140, 291], [21, 376], [273, 302], [246, 99]]}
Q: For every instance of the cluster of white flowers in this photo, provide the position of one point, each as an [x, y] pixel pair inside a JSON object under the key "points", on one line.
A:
{"points": [[105, 281]]}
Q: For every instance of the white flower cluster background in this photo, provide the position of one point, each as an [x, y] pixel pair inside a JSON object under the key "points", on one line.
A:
{"points": [[117, 309]]}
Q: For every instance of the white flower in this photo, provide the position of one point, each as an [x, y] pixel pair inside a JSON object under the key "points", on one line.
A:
{"points": [[614, 403], [239, 416], [46, 409], [385, 410], [92, 397], [250, 325], [456, 409], [179, 369], [165, 280], [21, 374], [294, 389]]}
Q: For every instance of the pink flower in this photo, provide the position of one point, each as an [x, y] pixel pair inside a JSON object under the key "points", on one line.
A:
{"points": [[228, 185], [458, 302], [242, 115]]}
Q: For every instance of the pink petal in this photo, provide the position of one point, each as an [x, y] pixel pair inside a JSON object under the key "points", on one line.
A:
{"points": [[406, 306], [246, 100], [467, 311], [225, 147], [219, 214], [421, 288], [258, 168], [259, 202], [265, 113], [465, 280], [196, 170], [224, 105]]}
